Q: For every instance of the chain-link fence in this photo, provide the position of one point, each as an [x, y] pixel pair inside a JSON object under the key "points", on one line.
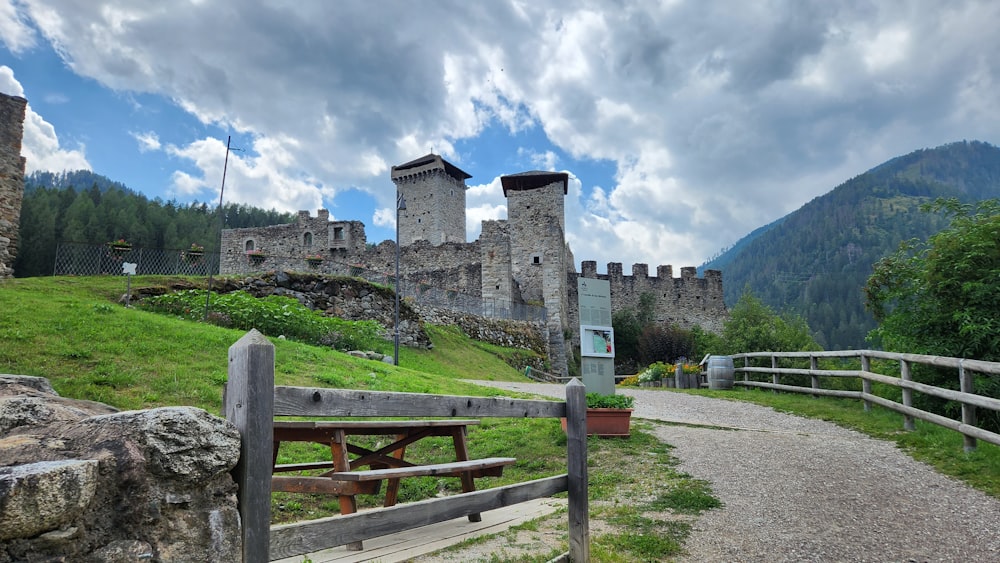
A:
{"points": [[79, 259]]}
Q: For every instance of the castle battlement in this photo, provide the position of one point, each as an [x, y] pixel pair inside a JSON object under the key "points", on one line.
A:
{"points": [[521, 259]]}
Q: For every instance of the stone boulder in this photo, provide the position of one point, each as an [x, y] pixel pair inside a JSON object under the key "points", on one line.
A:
{"points": [[80, 481]]}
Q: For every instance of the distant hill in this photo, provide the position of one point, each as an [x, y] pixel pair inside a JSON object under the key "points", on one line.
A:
{"points": [[85, 207], [814, 261]]}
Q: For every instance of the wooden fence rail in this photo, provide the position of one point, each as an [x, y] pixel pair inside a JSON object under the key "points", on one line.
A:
{"points": [[966, 396], [251, 401]]}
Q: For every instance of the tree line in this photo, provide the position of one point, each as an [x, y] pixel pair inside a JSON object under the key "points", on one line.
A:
{"points": [[83, 207]]}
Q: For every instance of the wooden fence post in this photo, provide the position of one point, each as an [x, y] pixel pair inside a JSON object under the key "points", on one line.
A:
{"points": [[774, 376], [814, 366], [576, 468], [248, 402], [866, 384], [904, 374], [966, 385]]}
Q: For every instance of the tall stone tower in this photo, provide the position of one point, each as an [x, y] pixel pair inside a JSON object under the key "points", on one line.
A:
{"points": [[434, 191], [539, 257], [12, 109]]}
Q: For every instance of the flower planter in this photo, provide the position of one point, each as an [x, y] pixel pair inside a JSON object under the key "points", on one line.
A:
{"points": [[607, 422]]}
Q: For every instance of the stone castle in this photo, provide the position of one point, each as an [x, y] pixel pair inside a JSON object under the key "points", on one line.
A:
{"points": [[523, 259], [12, 109]]}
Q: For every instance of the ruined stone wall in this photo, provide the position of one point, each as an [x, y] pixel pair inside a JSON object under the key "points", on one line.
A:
{"points": [[498, 280], [286, 246], [12, 109], [685, 302]]}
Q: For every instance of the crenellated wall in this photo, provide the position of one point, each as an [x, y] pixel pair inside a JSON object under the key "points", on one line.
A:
{"points": [[12, 110], [523, 259], [686, 301]]}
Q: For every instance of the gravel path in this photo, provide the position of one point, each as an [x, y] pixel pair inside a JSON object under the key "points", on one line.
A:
{"points": [[798, 489]]}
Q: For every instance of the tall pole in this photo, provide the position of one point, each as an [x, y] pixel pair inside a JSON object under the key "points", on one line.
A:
{"points": [[400, 205], [222, 226]]}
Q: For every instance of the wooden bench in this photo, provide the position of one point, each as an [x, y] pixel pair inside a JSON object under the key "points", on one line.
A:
{"points": [[369, 481]]}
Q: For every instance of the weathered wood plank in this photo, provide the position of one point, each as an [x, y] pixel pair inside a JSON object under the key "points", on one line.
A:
{"points": [[249, 404], [295, 539], [951, 395], [310, 401], [797, 389], [974, 431], [576, 467], [453, 468], [324, 485]]}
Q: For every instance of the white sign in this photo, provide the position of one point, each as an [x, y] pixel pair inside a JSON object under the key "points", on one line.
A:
{"points": [[128, 268]]}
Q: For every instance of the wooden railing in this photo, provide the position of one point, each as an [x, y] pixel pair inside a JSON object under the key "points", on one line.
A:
{"points": [[251, 401], [966, 396]]}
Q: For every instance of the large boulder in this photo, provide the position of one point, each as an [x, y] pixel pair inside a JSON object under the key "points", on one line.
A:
{"points": [[80, 481]]}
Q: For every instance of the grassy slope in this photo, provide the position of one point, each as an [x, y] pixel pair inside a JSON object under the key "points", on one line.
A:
{"points": [[71, 331]]}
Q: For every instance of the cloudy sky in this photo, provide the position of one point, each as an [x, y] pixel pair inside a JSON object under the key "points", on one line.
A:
{"points": [[683, 124]]}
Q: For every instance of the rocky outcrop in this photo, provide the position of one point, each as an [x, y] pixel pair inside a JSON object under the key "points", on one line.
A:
{"points": [[80, 481]]}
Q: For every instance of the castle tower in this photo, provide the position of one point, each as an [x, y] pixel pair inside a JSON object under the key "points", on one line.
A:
{"points": [[12, 109], [538, 255], [434, 192]]}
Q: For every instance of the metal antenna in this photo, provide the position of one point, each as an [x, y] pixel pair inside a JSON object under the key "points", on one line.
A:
{"points": [[222, 225]]}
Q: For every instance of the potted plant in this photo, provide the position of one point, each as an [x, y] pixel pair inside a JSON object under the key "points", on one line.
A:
{"points": [[608, 415], [194, 253], [314, 260], [120, 246], [256, 256]]}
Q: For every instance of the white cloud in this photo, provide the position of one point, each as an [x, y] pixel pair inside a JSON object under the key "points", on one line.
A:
{"points": [[39, 142], [148, 141], [15, 32], [718, 116]]}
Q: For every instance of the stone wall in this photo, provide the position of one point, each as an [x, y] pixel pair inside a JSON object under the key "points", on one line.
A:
{"points": [[80, 481], [12, 109], [522, 259], [685, 302]]}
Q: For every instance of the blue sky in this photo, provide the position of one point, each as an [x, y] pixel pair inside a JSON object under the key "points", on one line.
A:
{"points": [[683, 124]]}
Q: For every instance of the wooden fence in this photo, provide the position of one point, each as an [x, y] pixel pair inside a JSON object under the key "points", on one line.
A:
{"points": [[251, 401], [966, 396]]}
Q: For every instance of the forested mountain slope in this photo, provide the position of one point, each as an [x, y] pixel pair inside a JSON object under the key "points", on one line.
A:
{"points": [[815, 260], [85, 207]]}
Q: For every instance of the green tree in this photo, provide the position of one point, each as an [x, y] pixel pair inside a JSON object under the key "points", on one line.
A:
{"points": [[755, 327], [941, 297]]}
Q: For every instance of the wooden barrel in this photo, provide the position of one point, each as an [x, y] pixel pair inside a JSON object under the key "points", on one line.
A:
{"points": [[720, 372]]}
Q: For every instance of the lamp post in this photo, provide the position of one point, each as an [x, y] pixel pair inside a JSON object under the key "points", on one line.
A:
{"points": [[400, 206]]}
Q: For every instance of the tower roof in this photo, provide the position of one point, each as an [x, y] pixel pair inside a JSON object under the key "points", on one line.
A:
{"points": [[429, 162], [533, 179]]}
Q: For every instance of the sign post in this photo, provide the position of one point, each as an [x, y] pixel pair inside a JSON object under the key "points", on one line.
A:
{"points": [[597, 336]]}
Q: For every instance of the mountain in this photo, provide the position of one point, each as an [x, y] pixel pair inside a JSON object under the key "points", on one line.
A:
{"points": [[814, 261]]}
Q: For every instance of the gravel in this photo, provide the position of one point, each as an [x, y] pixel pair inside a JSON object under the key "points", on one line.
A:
{"points": [[797, 489]]}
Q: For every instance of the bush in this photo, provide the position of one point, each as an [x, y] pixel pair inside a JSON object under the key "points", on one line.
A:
{"points": [[274, 315]]}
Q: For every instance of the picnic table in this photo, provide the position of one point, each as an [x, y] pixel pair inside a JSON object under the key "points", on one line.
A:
{"points": [[344, 477]]}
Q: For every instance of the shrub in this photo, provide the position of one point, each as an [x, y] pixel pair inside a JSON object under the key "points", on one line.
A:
{"points": [[274, 315]]}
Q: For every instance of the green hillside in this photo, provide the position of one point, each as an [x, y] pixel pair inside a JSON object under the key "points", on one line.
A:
{"points": [[815, 260]]}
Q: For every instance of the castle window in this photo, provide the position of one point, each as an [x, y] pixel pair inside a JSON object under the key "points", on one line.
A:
{"points": [[498, 286], [536, 259], [307, 239], [249, 245], [338, 233]]}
